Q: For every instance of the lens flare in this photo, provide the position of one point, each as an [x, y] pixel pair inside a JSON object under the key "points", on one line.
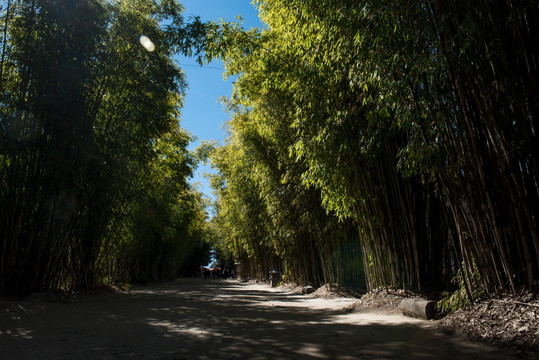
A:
{"points": [[147, 43]]}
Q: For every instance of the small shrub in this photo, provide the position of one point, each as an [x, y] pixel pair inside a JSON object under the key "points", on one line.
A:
{"points": [[469, 290]]}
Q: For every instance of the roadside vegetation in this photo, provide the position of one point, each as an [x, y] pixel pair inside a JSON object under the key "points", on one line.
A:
{"points": [[381, 143], [93, 162]]}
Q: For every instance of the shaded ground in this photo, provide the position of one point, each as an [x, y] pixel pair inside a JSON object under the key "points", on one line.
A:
{"points": [[511, 321], [197, 319]]}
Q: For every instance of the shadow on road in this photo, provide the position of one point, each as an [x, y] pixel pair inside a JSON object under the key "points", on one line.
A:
{"points": [[197, 319]]}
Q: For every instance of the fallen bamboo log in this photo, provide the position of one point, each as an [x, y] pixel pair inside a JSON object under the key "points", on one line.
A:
{"points": [[420, 308]]}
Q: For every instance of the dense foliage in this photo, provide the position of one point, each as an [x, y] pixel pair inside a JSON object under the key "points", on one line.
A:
{"points": [[371, 143], [93, 163], [402, 132]]}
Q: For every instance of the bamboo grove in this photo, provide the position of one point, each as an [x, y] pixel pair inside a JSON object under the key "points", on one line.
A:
{"points": [[93, 163], [391, 141]]}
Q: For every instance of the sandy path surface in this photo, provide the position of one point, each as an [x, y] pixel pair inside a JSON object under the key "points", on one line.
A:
{"points": [[218, 319]]}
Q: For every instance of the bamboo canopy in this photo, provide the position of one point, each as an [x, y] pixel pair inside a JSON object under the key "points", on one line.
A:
{"points": [[406, 128]]}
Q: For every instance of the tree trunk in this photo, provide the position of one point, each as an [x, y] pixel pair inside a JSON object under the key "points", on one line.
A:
{"points": [[420, 308]]}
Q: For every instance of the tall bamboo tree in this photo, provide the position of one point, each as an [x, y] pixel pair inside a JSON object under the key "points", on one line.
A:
{"points": [[85, 111], [415, 120]]}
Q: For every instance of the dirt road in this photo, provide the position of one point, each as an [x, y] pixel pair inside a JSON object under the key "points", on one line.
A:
{"points": [[216, 319]]}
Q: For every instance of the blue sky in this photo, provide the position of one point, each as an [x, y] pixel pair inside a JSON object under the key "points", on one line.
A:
{"points": [[202, 115]]}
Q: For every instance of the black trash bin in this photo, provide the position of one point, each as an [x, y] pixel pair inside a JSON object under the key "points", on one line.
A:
{"points": [[274, 277]]}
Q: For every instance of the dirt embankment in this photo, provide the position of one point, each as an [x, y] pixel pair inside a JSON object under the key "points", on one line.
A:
{"points": [[511, 321]]}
